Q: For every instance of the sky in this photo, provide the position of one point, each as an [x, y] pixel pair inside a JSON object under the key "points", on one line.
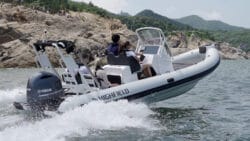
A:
{"points": [[233, 12]]}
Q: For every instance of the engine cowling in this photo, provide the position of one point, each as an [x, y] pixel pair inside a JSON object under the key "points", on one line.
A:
{"points": [[44, 89]]}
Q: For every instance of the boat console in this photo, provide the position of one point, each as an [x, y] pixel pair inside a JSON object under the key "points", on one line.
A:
{"points": [[155, 53]]}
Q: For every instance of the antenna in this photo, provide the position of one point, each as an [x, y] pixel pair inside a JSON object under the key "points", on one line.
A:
{"points": [[44, 37]]}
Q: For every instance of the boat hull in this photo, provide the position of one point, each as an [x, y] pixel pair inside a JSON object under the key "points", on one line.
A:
{"points": [[168, 93], [150, 90]]}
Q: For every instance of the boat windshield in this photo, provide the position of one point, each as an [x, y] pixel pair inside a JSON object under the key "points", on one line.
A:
{"points": [[150, 37], [151, 40]]}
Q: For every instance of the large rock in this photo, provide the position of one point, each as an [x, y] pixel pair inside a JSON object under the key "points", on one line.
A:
{"points": [[8, 33], [229, 52], [16, 54], [177, 40]]}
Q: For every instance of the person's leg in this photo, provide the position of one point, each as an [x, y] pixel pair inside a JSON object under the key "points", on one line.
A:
{"points": [[149, 71], [146, 70]]}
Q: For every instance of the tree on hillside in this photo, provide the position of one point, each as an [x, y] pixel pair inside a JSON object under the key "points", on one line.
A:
{"points": [[49, 5]]}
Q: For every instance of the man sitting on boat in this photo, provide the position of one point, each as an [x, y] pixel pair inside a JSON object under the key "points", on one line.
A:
{"points": [[113, 48], [102, 78]]}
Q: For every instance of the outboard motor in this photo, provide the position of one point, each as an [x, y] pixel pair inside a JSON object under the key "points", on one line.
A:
{"points": [[44, 91]]}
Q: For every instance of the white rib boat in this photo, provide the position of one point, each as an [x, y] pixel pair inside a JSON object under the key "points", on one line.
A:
{"points": [[173, 75]]}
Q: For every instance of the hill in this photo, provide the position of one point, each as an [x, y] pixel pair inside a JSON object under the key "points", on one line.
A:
{"points": [[155, 16], [213, 25], [149, 18]]}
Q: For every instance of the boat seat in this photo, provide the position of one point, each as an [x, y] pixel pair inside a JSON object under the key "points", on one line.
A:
{"points": [[122, 59], [73, 70], [117, 60], [134, 64]]}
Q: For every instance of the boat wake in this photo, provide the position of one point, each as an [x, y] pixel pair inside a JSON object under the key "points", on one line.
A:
{"points": [[7, 97], [8, 114], [76, 122]]}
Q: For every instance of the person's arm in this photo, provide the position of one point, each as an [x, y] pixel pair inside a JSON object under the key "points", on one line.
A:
{"points": [[137, 58], [138, 53], [132, 53]]}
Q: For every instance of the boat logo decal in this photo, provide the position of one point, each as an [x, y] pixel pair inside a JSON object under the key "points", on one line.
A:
{"points": [[44, 90], [114, 94]]}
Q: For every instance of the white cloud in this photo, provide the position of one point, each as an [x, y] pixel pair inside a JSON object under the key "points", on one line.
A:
{"points": [[171, 9], [115, 6], [214, 15]]}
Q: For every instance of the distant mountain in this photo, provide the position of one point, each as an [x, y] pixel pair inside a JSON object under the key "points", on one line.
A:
{"points": [[163, 19], [148, 18], [124, 14], [213, 25]]}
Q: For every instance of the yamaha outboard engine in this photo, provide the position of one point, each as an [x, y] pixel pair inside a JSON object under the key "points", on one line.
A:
{"points": [[44, 91]]}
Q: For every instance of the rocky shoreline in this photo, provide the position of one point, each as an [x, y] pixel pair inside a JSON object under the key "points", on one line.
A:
{"points": [[181, 43], [21, 26]]}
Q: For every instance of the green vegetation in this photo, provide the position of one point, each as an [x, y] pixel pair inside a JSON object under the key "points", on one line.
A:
{"points": [[55, 6], [91, 8], [200, 33], [236, 38], [48, 5]]}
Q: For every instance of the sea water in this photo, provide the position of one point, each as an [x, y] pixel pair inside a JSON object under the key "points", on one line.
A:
{"points": [[218, 108]]}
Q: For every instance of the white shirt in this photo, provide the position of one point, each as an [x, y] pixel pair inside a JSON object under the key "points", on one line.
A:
{"points": [[84, 70], [130, 53]]}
